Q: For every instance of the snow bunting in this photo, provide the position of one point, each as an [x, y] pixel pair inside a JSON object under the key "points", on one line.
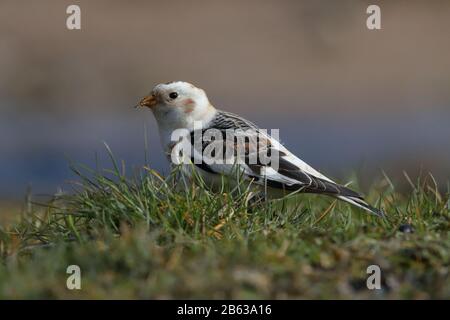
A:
{"points": [[181, 107]]}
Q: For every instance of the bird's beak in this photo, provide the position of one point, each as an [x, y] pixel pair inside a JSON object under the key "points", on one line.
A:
{"points": [[148, 101]]}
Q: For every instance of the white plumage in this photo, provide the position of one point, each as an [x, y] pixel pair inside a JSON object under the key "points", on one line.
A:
{"points": [[184, 111]]}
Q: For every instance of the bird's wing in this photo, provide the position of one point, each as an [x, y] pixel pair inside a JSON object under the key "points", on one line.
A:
{"points": [[290, 173]]}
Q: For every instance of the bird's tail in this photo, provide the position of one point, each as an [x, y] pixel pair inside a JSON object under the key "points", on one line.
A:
{"points": [[359, 202]]}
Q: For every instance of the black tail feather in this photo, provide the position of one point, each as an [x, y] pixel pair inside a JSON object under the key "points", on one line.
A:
{"points": [[359, 202]]}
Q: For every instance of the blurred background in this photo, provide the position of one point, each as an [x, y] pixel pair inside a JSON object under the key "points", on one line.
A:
{"points": [[346, 99]]}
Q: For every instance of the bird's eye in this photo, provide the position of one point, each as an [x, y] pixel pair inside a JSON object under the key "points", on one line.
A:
{"points": [[173, 95]]}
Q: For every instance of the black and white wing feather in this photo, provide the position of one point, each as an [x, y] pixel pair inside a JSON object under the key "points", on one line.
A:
{"points": [[291, 174]]}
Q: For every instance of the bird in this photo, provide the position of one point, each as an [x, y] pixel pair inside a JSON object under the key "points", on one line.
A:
{"points": [[182, 108]]}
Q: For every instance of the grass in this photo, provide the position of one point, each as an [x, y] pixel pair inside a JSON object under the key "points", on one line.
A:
{"points": [[154, 237]]}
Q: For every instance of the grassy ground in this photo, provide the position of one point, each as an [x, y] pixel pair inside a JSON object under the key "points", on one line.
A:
{"points": [[145, 238]]}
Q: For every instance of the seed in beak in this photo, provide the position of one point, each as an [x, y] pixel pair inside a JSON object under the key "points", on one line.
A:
{"points": [[148, 101]]}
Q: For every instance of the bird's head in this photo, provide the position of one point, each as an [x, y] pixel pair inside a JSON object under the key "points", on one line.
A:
{"points": [[178, 104]]}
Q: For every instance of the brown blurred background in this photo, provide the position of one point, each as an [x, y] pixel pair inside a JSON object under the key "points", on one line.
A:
{"points": [[346, 99]]}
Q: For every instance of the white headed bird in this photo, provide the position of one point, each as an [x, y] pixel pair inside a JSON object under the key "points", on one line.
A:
{"points": [[182, 106]]}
